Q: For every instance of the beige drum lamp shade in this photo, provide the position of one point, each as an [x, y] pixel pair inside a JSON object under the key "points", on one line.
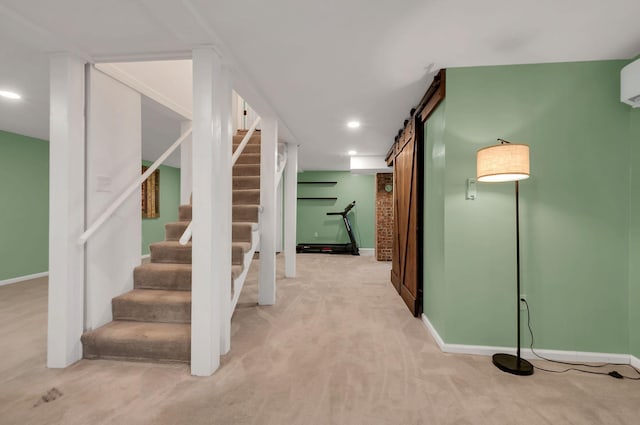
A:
{"points": [[503, 163]]}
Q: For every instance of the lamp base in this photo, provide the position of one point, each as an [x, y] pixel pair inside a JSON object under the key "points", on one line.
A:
{"points": [[511, 364]]}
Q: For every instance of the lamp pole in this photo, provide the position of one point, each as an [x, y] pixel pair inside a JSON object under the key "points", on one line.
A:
{"points": [[518, 263]]}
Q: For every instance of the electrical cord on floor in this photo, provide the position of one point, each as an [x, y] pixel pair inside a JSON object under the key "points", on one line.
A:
{"points": [[613, 373]]}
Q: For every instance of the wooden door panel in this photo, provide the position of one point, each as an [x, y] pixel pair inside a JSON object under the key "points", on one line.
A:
{"points": [[404, 275]]}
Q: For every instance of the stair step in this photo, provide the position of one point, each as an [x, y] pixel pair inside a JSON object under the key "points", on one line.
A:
{"points": [[173, 252], [238, 213], [246, 196], [170, 252], [153, 305], [246, 182], [246, 213], [249, 149], [238, 249], [243, 196], [176, 277], [242, 231], [150, 341], [171, 277], [249, 158], [254, 140], [174, 230], [246, 170]]}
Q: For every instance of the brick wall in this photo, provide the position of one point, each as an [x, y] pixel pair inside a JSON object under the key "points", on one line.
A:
{"points": [[384, 217]]}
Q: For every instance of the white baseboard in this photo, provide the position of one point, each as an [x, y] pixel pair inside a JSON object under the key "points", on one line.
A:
{"points": [[23, 278], [434, 333], [567, 356], [145, 256], [367, 252], [634, 361]]}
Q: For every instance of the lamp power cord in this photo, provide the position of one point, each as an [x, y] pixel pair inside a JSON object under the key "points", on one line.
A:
{"points": [[613, 373]]}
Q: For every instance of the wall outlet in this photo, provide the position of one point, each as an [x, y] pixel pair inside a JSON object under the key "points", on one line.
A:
{"points": [[523, 306], [315, 235]]}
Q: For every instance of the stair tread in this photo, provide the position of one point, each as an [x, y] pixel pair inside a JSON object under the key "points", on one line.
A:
{"points": [[166, 267], [246, 190], [176, 244], [155, 296], [246, 246], [129, 340], [169, 276], [243, 212], [254, 225], [150, 272], [172, 244], [153, 305]]}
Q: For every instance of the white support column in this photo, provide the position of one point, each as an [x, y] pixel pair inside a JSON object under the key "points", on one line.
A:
{"points": [[224, 197], [186, 165], [211, 248], [279, 214], [290, 210], [268, 160], [66, 210]]}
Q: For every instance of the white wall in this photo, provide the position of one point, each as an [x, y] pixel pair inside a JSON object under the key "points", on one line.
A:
{"points": [[113, 163]]}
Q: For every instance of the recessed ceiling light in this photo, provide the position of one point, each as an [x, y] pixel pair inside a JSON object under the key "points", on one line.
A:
{"points": [[353, 124], [352, 153], [9, 94]]}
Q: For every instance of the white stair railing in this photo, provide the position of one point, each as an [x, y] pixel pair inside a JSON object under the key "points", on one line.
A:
{"points": [[282, 163], [134, 186], [188, 232]]}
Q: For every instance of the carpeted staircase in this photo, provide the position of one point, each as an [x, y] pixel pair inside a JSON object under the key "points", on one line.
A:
{"points": [[152, 322]]}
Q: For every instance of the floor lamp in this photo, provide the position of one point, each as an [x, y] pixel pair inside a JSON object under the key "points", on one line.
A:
{"points": [[507, 162]]}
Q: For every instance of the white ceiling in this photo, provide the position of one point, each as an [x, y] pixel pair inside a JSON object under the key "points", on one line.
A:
{"points": [[315, 64]]}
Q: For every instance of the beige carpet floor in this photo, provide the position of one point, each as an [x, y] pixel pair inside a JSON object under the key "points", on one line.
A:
{"points": [[338, 348]]}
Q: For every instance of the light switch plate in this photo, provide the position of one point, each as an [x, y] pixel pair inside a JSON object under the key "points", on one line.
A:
{"points": [[471, 189]]}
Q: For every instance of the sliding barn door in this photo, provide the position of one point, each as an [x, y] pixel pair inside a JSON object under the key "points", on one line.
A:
{"points": [[406, 156], [406, 171]]}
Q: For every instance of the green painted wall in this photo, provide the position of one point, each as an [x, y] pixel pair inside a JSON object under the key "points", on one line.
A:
{"points": [[434, 220], [574, 208], [634, 236], [153, 228], [312, 216], [24, 210]]}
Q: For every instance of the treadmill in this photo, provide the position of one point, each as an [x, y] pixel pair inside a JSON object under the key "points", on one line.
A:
{"points": [[334, 248]]}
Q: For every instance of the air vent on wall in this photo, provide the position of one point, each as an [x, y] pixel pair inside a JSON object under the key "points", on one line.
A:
{"points": [[630, 84]]}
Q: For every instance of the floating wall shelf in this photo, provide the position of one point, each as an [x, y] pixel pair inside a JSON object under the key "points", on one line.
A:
{"points": [[319, 198]]}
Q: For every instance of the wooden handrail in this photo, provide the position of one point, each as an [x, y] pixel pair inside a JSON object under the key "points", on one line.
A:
{"points": [[135, 185], [282, 165]]}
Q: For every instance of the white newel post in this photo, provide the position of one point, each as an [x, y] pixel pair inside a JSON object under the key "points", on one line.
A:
{"points": [[290, 210], [279, 213], [186, 167], [268, 160], [66, 210], [211, 248], [224, 192]]}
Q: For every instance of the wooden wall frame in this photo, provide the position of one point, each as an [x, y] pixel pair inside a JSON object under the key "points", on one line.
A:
{"points": [[150, 201]]}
